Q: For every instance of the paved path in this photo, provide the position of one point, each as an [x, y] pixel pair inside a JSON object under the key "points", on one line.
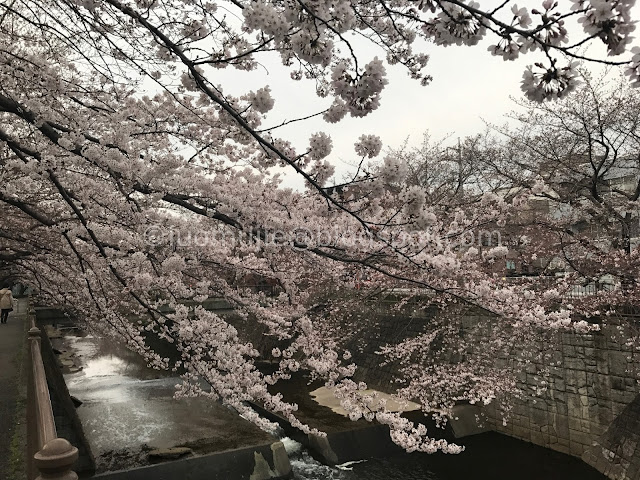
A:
{"points": [[12, 339]]}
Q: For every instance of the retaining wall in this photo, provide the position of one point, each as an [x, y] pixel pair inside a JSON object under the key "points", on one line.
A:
{"points": [[580, 391], [261, 462], [592, 384]]}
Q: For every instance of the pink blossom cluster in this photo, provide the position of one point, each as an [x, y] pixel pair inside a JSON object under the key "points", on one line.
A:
{"points": [[114, 123]]}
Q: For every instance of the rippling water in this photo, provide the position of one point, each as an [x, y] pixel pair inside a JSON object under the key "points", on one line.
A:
{"points": [[488, 457], [306, 467], [126, 405], [127, 409]]}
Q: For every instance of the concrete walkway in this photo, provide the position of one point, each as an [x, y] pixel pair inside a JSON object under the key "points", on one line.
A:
{"points": [[12, 354]]}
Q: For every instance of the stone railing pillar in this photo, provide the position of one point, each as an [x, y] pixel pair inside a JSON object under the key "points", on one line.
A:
{"points": [[31, 312], [55, 460], [55, 456]]}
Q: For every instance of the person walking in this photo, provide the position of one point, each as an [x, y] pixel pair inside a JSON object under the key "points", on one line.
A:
{"points": [[6, 304]]}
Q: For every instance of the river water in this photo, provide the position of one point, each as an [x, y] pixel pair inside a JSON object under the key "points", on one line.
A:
{"points": [[129, 409], [128, 404], [489, 456]]}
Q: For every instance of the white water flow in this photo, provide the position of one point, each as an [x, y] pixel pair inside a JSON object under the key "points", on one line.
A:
{"points": [[305, 467], [129, 408]]}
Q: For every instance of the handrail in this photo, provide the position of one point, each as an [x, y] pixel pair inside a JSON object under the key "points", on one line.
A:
{"points": [[44, 412], [55, 456]]}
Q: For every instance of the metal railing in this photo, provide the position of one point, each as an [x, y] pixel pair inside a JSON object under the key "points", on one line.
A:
{"points": [[54, 457], [577, 290]]}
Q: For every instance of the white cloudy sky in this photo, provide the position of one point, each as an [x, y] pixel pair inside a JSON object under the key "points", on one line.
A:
{"points": [[469, 86]]}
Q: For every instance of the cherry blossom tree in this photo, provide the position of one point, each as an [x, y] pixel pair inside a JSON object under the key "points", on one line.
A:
{"points": [[579, 160], [569, 171], [452, 174], [132, 181]]}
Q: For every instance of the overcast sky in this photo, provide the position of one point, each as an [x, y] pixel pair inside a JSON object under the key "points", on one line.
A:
{"points": [[469, 85]]}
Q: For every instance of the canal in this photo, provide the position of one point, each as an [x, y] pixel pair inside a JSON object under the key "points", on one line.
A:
{"points": [[489, 456], [128, 409]]}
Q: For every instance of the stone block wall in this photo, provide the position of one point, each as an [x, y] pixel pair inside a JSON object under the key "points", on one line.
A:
{"points": [[382, 327], [590, 380], [579, 393], [617, 452]]}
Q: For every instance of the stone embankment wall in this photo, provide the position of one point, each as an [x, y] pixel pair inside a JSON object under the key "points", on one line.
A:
{"points": [[383, 325], [591, 381], [579, 393]]}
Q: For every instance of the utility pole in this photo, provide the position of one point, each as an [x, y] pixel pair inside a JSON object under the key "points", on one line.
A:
{"points": [[460, 181]]}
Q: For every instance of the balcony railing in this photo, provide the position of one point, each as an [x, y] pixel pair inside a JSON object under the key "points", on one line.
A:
{"points": [[50, 457]]}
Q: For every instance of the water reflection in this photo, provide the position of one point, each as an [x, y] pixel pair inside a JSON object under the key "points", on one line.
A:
{"points": [[128, 407], [489, 456]]}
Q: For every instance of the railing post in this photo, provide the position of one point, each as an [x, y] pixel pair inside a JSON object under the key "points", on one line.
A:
{"points": [[56, 455], [46, 427], [56, 459], [31, 312], [34, 334]]}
